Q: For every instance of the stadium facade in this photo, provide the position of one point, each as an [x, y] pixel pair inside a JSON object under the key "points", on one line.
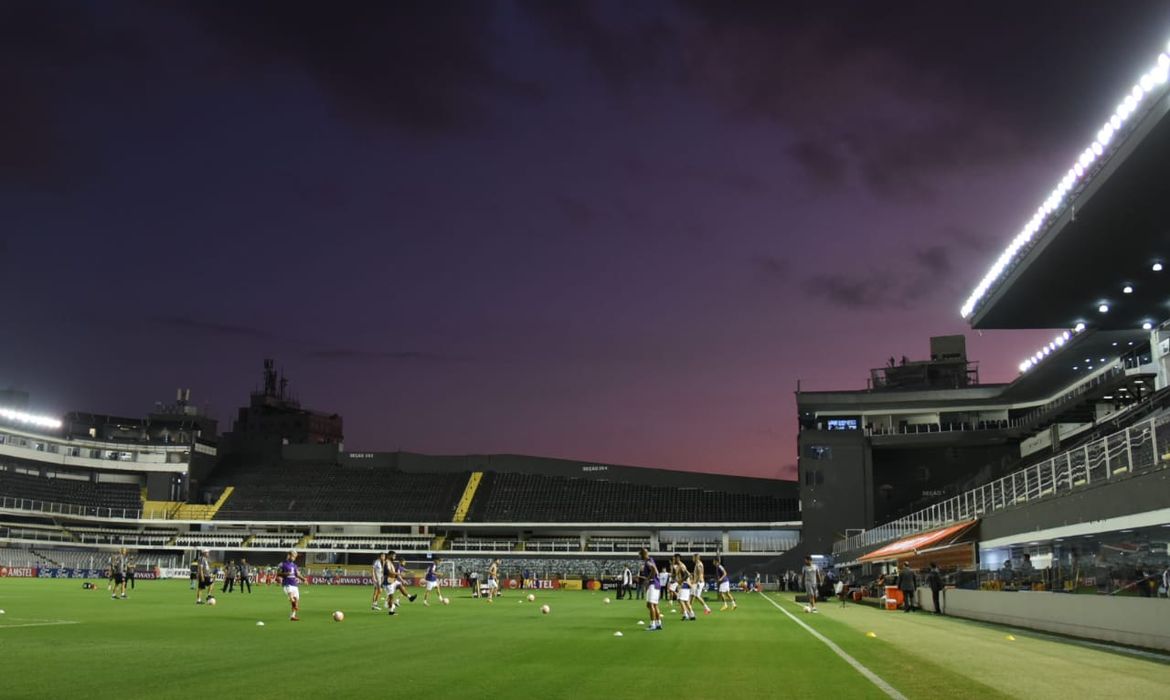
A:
{"points": [[281, 477], [1058, 480]]}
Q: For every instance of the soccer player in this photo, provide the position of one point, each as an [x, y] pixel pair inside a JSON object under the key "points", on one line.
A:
{"points": [[131, 564], [672, 580], [493, 580], [379, 568], [810, 575], [724, 582], [291, 577], [394, 580], [203, 574], [683, 579], [653, 590], [244, 576], [118, 573], [700, 583], [432, 580]]}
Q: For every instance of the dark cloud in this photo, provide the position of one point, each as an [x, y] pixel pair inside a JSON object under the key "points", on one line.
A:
{"points": [[215, 328], [869, 292], [423, 66], [359, 354], [575, 210], [43, 44], [232, 330], [898, 94], [772, 268], [821, 162], [928, 276], [625, 42]]}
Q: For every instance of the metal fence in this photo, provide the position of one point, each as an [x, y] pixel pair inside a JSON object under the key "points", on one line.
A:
{"points": [[1133, 449], [49, 508]]}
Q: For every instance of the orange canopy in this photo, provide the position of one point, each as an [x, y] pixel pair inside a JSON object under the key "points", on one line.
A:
{"points": [[913, 543]]}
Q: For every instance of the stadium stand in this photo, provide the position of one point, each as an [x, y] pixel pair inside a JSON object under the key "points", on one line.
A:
{"points": [[372, 543], [77, 492], [517, 497], [330, 493]]}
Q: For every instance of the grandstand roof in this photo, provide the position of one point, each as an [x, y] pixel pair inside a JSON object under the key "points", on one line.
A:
{"points": [[1105, 234]]}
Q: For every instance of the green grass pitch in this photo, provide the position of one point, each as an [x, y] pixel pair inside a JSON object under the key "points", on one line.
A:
{"points": [[56, 638]]}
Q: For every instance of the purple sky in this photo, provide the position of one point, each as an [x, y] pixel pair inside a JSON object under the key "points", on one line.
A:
{"points": [[566, 229]]}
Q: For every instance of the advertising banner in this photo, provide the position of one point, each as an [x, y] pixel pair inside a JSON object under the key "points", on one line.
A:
{"points": [[18, 572]]}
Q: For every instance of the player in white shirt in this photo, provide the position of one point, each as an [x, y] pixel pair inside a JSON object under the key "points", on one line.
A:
{"points": [[724, 582], [493, 582], [683, 581], [379, 567], [699, 580]]}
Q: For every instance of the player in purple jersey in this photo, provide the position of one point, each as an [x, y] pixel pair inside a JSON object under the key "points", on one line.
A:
{"points": [[290, 577], [432, 581], [724, 582], [653, 589]]}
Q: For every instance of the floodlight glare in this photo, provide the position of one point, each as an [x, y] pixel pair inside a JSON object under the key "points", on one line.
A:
{"points": [[29, 419], [1127, 289], [1157, 267], [1147, 326], [1079, 327], [1104, 308]]}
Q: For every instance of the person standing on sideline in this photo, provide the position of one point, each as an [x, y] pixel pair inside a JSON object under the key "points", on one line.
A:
{"points": [[626, 590], [810, 575], [908, 584], [244, 576], [934, 578], [131, 563], [290, 575], [229, 576]]}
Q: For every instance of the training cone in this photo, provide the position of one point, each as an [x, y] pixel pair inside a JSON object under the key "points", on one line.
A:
{"points": [[618, 634], [259, 624], [641, 622], [1010, 638], [871, 634]]}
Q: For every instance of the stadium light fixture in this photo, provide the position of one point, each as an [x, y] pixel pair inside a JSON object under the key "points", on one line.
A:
{"points": [[1046, 350], [1157, 267], [1104, 308], [22, 418], [1127, 289], [1079, 327], [1147, 326], [1149, 83]]}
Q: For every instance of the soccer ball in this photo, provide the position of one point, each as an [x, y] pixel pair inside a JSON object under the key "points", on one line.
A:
{"points": [[446, 601], [531, 597], [210, 600], [807, 609], [606, 601], [338, 616], [545, 609]]}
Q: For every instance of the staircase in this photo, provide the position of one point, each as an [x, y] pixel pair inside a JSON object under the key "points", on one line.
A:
{"points": [[464, 504], [196, 511]]}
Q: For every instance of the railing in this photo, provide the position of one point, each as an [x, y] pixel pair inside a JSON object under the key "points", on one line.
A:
{"points": [[50, 508], [1130, 450]]}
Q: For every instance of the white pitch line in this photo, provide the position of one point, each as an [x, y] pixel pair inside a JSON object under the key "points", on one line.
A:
{"points": [[870, 675], [43, 623]]}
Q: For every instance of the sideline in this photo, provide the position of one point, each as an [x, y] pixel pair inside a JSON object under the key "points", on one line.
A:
{"points": [[870, 675]]}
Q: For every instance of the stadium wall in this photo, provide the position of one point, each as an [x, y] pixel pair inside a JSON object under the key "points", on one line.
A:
{"points": [[1120, 496], [1126, 620]]}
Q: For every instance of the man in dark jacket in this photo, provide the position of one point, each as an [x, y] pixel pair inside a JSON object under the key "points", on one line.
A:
{"points": [[907, 583], [934, 578]]}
